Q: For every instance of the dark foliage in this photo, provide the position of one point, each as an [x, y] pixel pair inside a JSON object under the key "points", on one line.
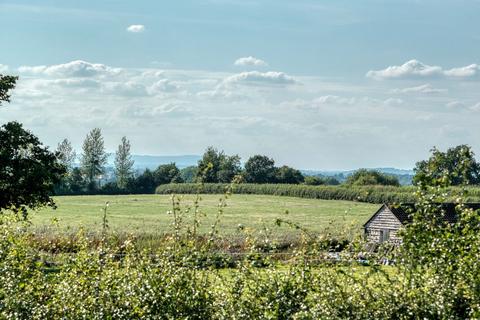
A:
{"points": [[167, 173], [457, 164], [260, 169], [364, 177], [188, 174], [320, 180], [286, 174], [28, 170], [216, 166], [7, 83]]}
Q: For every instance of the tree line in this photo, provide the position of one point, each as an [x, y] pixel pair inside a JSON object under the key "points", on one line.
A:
{"points": [[214, 167], [458, 164]]}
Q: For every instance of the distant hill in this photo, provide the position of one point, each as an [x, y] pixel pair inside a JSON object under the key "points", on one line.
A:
{"points": [[329, 173], [152, 162]]}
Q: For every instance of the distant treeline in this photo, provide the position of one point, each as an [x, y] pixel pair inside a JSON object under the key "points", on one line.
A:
{"points": [[214, 167], [217, 167], [370, 194]]}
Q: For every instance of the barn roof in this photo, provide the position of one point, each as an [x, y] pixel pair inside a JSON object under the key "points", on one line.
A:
{"points": [[403, 212]]}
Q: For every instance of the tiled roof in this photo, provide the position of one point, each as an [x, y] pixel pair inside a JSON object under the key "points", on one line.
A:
{"points": [[404, 211]]}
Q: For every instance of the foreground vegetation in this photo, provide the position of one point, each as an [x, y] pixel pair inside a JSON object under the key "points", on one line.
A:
{"points": [[435, 274]]}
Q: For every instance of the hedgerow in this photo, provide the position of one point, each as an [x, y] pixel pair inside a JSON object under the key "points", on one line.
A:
{"points": [[370, 194]]}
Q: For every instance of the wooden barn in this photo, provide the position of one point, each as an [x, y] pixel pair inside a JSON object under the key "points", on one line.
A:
{"points": [[384, 225]]}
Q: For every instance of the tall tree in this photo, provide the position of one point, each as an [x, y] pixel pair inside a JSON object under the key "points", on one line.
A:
{"points": [[76, 182], [167, 173], [7, 83], [123, 163], [188, 174], [260, 169], [457, 164], [229, 168], [216, 166], [286, 174], [66, 154], [144, 183], [94, 157], [28, 170]]}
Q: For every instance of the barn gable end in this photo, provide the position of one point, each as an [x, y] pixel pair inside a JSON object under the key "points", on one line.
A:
{"points": [[383, 226]]}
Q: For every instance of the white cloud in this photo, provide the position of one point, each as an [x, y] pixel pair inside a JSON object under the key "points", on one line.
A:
{"points": [[3, 68], [332, 99], [334, 102], [32, 69], [250, 61], [76, 83], [136, 28], [457, 105], [30, 93], [163, 85], [256, 77], [475, 107], [151, 112], [393, 102], [223, 94], [464, 72], [415, 69], [424, 88], [77, 68], [128, 88], [410, 69]]}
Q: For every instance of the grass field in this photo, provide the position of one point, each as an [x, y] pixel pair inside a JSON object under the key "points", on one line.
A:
{"points": [[148, 213]]}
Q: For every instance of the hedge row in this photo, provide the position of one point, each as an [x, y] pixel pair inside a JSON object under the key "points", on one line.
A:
{"points": [[371, 194]]}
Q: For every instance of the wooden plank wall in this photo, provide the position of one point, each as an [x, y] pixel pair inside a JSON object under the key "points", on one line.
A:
{"points": [[384, 220]]}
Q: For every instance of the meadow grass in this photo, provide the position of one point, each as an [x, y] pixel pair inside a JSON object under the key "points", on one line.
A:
{"points": [[148, 214]]}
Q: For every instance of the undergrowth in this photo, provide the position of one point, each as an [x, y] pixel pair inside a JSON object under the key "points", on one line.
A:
{"points": [[435, 272]]}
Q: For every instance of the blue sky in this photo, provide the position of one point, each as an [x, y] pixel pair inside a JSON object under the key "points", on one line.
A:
{"points": [[314, 84]]}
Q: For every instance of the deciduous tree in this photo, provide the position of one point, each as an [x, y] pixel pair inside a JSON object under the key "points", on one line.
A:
{"points": [[260, 169], [28, 170], [286, 174], [123, 163], [365, 177], [457, 164], [167, 173], [94, 157], [7, 83], [216, 166], [66, 154]]}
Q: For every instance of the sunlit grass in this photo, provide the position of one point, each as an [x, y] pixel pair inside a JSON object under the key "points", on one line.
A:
{"points": [[148, 214]]}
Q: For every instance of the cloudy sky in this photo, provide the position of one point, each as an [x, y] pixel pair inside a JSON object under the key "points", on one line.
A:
{"points": [[313, 84]]}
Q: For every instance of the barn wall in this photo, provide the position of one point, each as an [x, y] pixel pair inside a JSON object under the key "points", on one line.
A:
{"points": [[373, 235], [384, 220]]}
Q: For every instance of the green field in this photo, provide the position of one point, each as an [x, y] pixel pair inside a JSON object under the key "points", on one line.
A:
{"points": [[149, 213]]}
